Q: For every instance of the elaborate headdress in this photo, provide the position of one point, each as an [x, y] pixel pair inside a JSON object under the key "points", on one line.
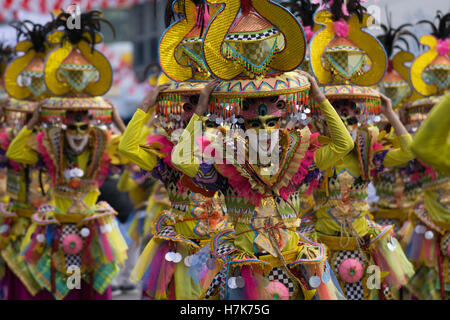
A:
{"points": [[346, 59], [430, 72], [254, 46], [395, 83], [24, 76], [75, 73], [181, 60]]}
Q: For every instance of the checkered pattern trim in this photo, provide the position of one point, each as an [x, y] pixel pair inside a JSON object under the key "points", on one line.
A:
{"points": [[194, 39], [387, 222], [354, 291], [387, 293], [71, 260], [277, 274], [306, 229], [214, 286], [249, 37], [445, 242], [224, 250], [167, 231]]}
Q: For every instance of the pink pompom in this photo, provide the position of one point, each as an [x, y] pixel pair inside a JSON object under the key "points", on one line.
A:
{"points": [[202, 142], [72, 244], [351, 270], [341, 28], [443, 47], [277, 291]]}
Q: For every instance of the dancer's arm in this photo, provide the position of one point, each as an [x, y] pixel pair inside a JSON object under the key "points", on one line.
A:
{"points": [[183, 156], [129, 145], [341, 141], [431, 142], [397, 156], [19, 150]]}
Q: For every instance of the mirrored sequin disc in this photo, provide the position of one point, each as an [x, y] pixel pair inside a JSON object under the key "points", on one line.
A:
{"points": [[429, 235], [177, 257], [232, 283], [420, 229], [169, 256], [240, 282], [188, 261], [314, 282]]}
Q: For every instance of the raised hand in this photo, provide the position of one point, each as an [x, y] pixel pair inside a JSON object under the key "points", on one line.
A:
{"points": [[150, 100], [389, 113], [386, 105], [315, 91], [117, 120], [36, 117], [205, 94]]}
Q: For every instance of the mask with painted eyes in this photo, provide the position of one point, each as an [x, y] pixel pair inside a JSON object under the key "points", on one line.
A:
{"points": [[190, 103], [349, 113], [77, 131], [263, 115]]}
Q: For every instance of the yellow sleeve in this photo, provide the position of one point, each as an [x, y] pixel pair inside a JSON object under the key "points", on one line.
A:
{"points": [[131, 138], [401, 155], [432, 141], [19, 149], [341, 141], [183, 155], [126, 183], [113, 150]]}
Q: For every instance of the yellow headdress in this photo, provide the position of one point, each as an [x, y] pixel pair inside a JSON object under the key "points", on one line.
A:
{"points": [[430, 72], [24, 76], [346, 59], [181, 60], [395, 83], [254, 46], [75, 72]]}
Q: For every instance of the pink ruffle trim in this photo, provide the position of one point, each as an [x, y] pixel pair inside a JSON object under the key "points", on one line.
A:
{"points": [[46, 156], [239, 183], [165, 146]]}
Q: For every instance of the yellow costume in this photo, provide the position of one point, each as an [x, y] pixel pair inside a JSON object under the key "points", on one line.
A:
{"points": [[72, 232], [347, 61]]}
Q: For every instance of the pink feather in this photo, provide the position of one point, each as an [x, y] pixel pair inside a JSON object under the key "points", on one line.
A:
{"points": [[309, 33], [164, 145], [341, 28], [344, 9], [46, 156], [4, 140], [251, 284]]}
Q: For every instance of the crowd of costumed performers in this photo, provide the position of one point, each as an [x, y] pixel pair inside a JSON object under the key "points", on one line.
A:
{"points": [[284, 153], [58, 143]]}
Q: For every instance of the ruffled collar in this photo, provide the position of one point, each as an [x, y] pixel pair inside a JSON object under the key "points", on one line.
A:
{"points": [[299, 147]]}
